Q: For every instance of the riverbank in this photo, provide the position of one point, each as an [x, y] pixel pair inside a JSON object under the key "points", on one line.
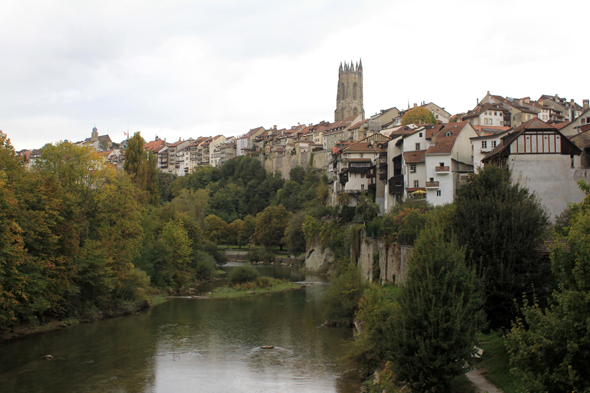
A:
{"points": [[257, 287], [34, 328]]}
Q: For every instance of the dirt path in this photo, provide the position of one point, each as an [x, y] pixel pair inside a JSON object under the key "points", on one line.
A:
{"points": [[482, 384]]}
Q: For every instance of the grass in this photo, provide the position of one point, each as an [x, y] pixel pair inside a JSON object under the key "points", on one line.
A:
{"points": [[260, 286], [494, 363], [462, 385]]}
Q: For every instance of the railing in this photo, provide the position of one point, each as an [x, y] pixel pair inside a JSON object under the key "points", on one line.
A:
{"points": [[432, 184], [442, 169]]}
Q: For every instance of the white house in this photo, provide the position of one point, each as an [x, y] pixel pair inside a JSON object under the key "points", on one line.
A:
{"points": [[448, 162]]}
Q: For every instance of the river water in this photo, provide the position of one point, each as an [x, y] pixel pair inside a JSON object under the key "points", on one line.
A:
{"points": [[188, 345]]}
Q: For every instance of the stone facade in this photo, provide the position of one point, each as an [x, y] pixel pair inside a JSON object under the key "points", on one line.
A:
{"points": [[349, 99]]}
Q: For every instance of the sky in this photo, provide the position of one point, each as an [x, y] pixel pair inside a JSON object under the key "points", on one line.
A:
{"points": [[181, 69]]}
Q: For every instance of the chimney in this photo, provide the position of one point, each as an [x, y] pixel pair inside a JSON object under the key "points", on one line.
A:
{"points": [[478, 102], [415, 105], [585, 104]]}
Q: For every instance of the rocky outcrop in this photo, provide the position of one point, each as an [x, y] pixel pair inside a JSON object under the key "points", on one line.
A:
{"points": [[317, 259]]}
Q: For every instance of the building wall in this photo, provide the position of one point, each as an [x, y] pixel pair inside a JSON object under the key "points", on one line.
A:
{"points": [[551, 178]]}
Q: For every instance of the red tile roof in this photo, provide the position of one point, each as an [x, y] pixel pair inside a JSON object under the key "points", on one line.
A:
{"points": [[445, 139], [415, 157]]}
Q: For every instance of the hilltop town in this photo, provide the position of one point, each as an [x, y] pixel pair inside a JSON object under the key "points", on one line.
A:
{"points": [[545, 142]]}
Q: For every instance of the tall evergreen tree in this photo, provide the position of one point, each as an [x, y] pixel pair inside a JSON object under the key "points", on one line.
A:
{"points": [[440, 311], [141, 166], [502, 224]]}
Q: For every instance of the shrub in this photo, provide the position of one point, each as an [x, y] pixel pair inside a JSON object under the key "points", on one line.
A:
{"points": [[341, 299], [242, 274], [204, 265], [260, 255]]}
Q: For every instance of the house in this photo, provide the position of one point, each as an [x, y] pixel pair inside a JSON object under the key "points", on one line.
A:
{"points": [[486, 141], [448, 161], [357, 169], [580, 124], [440, 114], [545, 161], [487, 115]]}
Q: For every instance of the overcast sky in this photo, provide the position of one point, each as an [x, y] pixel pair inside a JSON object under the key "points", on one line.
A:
{"points": [[183, 69]]}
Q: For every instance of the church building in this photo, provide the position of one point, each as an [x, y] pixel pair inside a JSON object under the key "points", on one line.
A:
{"points": [[349, 100]]}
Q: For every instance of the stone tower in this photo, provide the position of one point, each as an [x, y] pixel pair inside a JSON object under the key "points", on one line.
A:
{"points": [[349, 100]]}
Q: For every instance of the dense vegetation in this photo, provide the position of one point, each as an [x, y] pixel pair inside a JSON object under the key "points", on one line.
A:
{"points": [[476, 266], [79, 238]]}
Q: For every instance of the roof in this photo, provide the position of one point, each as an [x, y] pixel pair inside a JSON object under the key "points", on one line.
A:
{"points": [[581, 140], [154, 146], [503, 149], [368, 144], [415, 157], [445, 139], [490, 130]]}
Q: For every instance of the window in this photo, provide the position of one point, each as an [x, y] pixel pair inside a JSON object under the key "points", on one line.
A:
{"points": [[484, 144], [416, 183], [361, 155], [420, 135], [441, 164], [438, 193], [494, 143], [432, 179], [412, 168], [362, 186], [485, 122], [417, 146]]}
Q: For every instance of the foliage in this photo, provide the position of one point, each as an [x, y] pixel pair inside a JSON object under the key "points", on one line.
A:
{"points": [[440, 311], [301, 190], [550, 349], [370, 349], [247, 230], [502, 227], [216, 230], [330, 234], [418, 115], [295, 238], [271, 225], [141, 166], [260, 255], [495, 363], [367, 210], [341, 299], [242, 274]]}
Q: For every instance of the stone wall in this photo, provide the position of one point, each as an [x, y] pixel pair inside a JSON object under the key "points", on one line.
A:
{"points": [[393, 260], [316, 259]]}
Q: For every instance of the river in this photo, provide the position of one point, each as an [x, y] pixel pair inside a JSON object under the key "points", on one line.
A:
{"points": [[188, 345]]}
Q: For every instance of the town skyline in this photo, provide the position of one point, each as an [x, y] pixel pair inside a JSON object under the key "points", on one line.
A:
{"points": [[182, 70]]}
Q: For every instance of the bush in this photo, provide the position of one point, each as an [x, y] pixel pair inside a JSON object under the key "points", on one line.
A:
{"points": [[211, 249], [242, 274], [341, 299], [204, 265], [260, 255]]}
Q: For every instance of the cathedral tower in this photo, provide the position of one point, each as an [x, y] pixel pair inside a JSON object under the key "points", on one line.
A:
{"points": [[349, 100]]}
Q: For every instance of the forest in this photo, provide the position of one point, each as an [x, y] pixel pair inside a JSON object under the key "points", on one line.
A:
{"points": [[79, 238]]}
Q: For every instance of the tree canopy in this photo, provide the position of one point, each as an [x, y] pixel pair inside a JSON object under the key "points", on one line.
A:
{"points": [[418, 115]]}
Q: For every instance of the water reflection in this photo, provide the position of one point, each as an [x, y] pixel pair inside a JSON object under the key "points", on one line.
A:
{"points": [[189, 345]]}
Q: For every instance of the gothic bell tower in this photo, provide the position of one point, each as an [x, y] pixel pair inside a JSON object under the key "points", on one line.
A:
{"points": [[349, 100]]}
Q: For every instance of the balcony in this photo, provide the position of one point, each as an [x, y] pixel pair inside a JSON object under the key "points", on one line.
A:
{"points": [[442, 170], [432, 184], [383, 175], [396, 184]]}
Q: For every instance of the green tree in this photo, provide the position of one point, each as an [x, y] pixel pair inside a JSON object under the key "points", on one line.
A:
{"points": [[247, 230], [141, 166], [550, 349], [215, 229], [502, 226], [367, 210], [341, 299], [271, 225], [233, 233], [294, 235], [173, 256], [418, 115], [440, 311]]}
